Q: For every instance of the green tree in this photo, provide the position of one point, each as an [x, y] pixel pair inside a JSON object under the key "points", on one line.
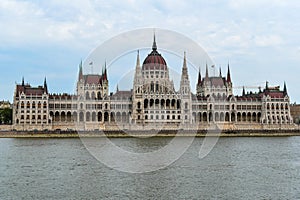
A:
{"points": [[6, 116]]}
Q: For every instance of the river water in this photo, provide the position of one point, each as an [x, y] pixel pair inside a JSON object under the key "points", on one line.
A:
{"points": [[237, 168]]}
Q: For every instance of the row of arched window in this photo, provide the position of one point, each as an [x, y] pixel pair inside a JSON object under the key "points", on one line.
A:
{"points": [[161, 104], [227, 117], [277, 106], [32, 105], [89, 116], [93, 95]]}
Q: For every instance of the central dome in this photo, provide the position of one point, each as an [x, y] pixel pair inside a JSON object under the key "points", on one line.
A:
{"points": [[154, 60]]}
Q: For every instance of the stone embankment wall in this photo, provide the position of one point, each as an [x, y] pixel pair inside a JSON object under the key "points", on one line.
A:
{"points": [[147, 127], [5, 127]]}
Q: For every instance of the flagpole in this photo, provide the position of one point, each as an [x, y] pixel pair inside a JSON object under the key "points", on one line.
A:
{"points": [[213, 66], [92, 71], [214, 72]]}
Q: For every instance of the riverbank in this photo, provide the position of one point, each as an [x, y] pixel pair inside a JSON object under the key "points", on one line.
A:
{"points": [[145, 134]]}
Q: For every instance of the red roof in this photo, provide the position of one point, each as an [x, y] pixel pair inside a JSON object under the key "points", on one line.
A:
{"points": [[154, 61], [28, 90], [276, 94], [92, 79], [214, 81], [217, 81]]}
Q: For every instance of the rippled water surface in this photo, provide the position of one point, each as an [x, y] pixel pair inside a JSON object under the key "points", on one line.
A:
{"points": [[237, 168]]}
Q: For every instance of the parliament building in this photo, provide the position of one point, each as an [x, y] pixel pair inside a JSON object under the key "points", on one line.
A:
{"points": [[153, 102]]}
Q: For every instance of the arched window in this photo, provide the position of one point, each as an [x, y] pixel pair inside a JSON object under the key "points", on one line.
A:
{"points": [[87, 95], [146, 103], [99, 95], [152, 87], [93, 95], [178, 104], [139, 105], [186, 105]]}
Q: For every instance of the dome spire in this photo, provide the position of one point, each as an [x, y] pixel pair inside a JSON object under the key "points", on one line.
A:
{"points": [[154, 47]]}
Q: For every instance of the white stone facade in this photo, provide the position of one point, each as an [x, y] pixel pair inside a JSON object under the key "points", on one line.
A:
{"points": [[152, 101]]}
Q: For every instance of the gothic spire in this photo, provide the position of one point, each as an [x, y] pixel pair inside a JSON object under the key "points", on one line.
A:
{"points": [[138, 72], [243, 91], [154, 47], [80, 75], [284, 89], [184, 60], [185, 82], [199, 77], [206, 72], [138, 59], [105, 72], [45, 85], [228, 75], [220, 72], [23, 81], [184, 67], [45, 82]]}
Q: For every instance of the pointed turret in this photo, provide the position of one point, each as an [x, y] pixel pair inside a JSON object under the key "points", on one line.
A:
{"points": [[244, 93], [80, 74], [138, 72], [184, 83], [184, 67], [45, 85], [199, 77], [105, 72], [23, 81], [138, 65], [117, 88], [220, 74], [228, 75], [206, 72], [284, 89]]}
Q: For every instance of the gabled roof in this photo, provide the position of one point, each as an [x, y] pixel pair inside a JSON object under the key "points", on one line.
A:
{"points": [[92, 79], [214, 81], [28, 90]]}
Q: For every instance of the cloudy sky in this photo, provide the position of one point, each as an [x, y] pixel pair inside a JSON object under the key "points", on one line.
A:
{"points": [[259, 38]]}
